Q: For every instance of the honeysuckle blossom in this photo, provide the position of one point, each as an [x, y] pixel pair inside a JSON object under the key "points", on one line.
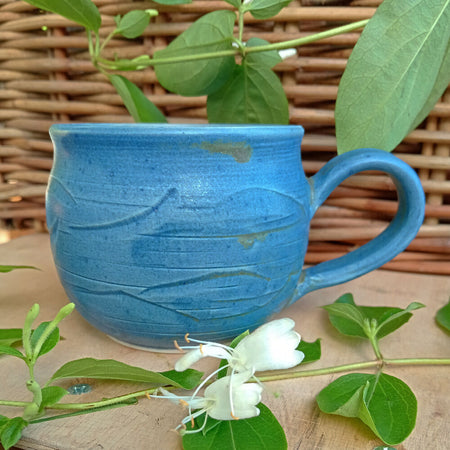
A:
{"points": [[272, 346], [228, 398]]}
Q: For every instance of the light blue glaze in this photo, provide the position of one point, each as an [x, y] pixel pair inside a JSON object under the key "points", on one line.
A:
{"points": [[159, 230]]}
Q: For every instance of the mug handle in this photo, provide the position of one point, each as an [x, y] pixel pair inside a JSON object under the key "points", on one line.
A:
{"points": [[392, 241]]}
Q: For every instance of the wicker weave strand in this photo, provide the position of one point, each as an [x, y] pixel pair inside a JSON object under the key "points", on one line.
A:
{"points": [[46, 77]]}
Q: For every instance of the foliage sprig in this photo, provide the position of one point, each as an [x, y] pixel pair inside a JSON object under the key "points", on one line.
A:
{"points": [[396, 73], [383, 402]]}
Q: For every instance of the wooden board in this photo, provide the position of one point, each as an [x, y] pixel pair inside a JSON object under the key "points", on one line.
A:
{"points": [[148, 425]]}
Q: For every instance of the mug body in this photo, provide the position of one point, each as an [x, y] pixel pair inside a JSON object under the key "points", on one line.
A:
{"points": [[160, 230]]}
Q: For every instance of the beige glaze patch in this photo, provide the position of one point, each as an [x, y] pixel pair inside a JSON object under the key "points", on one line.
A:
{"points": [[240, 151], [247, 240]]}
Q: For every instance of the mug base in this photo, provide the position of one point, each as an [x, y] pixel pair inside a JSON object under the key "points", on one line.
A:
{"points": [[146, 349]]}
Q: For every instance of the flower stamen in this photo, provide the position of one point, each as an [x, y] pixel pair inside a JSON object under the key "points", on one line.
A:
{"points": [[233, 416], [186, 338], [230, 393], [177, 346], [201, 349], [184, 402]]}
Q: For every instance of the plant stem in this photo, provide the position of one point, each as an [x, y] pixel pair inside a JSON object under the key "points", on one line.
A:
{"points": [[241, 23], [14, 403], [355, 366], [371, 333], [323, 371], [417, 361], [107, 402], [112, 65], [309, 39], [105, 42], [279, 376]]}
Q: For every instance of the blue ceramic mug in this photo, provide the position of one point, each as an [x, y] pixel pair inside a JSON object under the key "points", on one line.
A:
{"points": [[159, 230]]}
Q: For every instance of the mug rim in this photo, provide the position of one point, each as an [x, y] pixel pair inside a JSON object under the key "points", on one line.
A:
{"points": [[169, 128]]}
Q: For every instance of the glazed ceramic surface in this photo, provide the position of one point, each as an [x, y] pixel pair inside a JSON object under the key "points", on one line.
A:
{"points": [[160, 230]]}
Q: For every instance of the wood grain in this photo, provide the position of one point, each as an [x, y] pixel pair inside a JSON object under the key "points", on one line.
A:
{"points": [[148, 424]]}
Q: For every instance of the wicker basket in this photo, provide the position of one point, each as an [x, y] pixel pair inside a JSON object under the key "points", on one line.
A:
{"points": [[46, 77]]}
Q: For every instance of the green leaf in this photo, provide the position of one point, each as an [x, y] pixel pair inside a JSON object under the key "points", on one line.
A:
{"points": [[388, 318], [11, 432], [109, 369], [347, 318], [49, 343], [83, 12], [263, 433], [267, 59], [344, 395], [391, 320], [137, 104], [10, 336], [384, 403], [3, 421], [4, 269], [264, 9], [312, 350], [443, 316], [51, 395], [440, 85], [389, 409], [211, 33], [391, 73], [7, 350], [133, 23], [253, 94]]}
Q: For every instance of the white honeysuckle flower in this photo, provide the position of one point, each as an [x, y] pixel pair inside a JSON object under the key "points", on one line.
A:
{"points": [[233, 398], [272, 346], [228, 398], [287, 53]]}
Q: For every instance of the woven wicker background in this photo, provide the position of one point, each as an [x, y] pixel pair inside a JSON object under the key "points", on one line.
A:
{"points": [[46, 77]]}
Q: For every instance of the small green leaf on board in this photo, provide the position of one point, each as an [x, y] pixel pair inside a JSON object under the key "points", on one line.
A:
{"points": [[49, 343], [51, 395], [11, 431], [5, 269], [7, 350], [10, 336], [348, 318], [443, 317], [263, 432], [109, 369], [312, 350], [383, 402]]}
